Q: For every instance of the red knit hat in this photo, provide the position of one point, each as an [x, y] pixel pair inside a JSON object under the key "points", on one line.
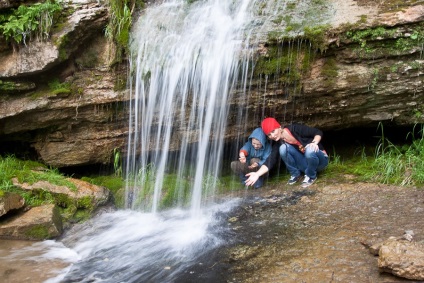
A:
{"points": [[269, 125]]}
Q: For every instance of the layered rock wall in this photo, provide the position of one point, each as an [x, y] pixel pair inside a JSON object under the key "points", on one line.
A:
{"points": [[367, 68]]}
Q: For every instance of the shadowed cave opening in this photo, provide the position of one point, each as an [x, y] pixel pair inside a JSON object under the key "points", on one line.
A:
{"points": [[344, 143]]}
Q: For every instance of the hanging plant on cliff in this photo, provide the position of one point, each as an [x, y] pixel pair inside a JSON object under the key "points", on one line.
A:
{"points": [[118, 29], [19, 25]]}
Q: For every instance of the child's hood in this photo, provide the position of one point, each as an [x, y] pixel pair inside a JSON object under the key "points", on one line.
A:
{"points": [[259, 135]]}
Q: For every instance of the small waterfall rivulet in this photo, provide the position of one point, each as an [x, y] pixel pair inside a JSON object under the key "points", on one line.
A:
{"points": [[186, 63], [188, 57]]}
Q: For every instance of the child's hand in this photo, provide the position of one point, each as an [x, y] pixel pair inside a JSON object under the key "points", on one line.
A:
{"points": [[254, 165]]}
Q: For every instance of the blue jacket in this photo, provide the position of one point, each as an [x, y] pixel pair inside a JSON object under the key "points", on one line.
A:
{"points": [[261, 153]]}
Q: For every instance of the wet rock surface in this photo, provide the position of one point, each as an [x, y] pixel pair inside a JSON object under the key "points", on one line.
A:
{"points": [[320, 234], [321, 238]]}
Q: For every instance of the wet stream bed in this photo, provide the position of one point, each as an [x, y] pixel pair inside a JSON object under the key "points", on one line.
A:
{"points": [[319, 234]]}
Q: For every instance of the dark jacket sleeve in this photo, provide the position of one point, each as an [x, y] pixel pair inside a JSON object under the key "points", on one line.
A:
{"points": [[305, 134], [274, 155]]}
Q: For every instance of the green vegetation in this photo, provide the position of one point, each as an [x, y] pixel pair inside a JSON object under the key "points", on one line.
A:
{"points": [[59, 88], [387, 163], [287, 62], [401, 165], [7, 86], [317, 36], [38, 232], [114, 183], [26, 21], [374, 78], [117, 162], [28, 172], [384, 42], [31, 172], [118, 29], [361, 36], [329, 71], [175, 190]]}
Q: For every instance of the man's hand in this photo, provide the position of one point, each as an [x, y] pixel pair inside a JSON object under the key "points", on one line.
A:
{"points": [[252, 178], [313, 146]]}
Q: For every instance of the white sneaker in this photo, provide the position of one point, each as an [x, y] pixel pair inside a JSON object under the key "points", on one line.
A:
{"points": [[307, 181]]}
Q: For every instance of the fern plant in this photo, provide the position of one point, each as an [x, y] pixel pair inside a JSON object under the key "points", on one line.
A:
{"points": [[25, 21]]}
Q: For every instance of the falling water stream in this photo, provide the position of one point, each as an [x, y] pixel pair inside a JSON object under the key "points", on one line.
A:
{"points": [[187, 58]]}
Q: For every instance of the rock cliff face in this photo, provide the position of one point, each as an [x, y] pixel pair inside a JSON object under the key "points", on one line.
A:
{"points": [[83, 120], [366, 67]]}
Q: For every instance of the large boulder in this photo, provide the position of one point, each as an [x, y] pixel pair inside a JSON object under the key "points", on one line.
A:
{"points": [[402, 258], [84, 195], [38, 223], [10, 201]]}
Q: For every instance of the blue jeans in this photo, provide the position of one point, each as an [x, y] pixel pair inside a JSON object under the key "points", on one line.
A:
{"points": [[309, 163]]}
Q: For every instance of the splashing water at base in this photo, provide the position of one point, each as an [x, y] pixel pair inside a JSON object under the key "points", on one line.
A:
{"points": [[129, 246]]}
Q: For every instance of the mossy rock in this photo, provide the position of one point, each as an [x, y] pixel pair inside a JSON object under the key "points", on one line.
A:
{"points": [[12, 87]]}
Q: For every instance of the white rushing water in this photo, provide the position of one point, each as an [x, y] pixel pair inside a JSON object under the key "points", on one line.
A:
{"points": [[185, 64], [125, 246]]}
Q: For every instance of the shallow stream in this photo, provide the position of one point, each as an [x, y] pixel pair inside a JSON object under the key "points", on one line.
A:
{"points": [[276, 234]]}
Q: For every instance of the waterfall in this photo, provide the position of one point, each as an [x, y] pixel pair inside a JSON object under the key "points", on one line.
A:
{"points": [[185, 64], [187, 57]]}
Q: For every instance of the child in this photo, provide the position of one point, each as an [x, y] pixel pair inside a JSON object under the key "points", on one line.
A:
{"points": [[252, 155]]}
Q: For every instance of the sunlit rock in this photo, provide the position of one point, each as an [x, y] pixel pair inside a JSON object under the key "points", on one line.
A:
{"points": [[83, 195], [10, 201], [38, 223], [402, 258]]}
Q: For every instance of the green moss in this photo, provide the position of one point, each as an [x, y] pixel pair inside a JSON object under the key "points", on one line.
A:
{"points": [[7, 86], [85, 203], [363, 19], [114, 183], [329, 71], [386, 42], [175, 191], [68, 213], [119, 198], [317, 36], [286, 62], [62, 200], [63, 43], [81, 215], [111, 182], [57, 87], [38, 232]]}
